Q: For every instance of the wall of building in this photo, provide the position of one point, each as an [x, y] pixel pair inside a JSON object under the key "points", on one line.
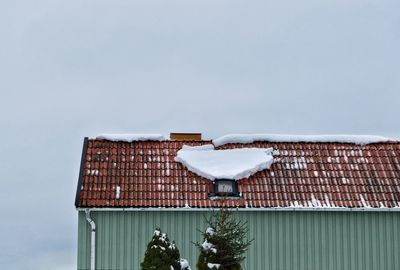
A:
{"points": [[295, 240]]}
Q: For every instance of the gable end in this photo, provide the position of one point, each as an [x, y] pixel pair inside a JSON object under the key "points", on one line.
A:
{"points": [[80, 180]]}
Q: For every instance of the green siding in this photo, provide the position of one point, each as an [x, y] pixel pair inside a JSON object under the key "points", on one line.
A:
{"points": [[298, 240]]}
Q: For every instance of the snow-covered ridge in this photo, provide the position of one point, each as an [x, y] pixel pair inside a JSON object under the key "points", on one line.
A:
{"points": [[250, 138], [132, 137], [225, 164]]}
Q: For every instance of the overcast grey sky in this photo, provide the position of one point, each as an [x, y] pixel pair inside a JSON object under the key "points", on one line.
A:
{"points": [[70, 69]]}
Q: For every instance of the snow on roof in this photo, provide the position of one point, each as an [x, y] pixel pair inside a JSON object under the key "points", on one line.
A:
{"points": [[225, 164], [132, 137], [198, 147], [301, 176], [250, 138]]}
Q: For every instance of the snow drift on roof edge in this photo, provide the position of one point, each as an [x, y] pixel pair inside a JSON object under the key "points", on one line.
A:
{"points": [[250, 138], [232, 164], [132, 137]]}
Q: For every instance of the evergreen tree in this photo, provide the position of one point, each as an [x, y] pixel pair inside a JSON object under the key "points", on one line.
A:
{"points": [[161, 254], [224, 243]]}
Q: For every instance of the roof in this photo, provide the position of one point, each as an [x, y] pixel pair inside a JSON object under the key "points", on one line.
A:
{"points": [[309, 175]]}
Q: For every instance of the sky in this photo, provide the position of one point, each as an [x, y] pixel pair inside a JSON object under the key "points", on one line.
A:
{"points": [[70, 69]]}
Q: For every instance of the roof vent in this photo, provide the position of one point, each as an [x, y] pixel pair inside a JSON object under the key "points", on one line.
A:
{"points": [[185, 136]]}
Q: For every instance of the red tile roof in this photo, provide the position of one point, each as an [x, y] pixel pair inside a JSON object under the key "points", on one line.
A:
{"points": [[308, 175]]}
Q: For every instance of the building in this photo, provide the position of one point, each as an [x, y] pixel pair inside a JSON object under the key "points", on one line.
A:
{"points": [[311, 202]]}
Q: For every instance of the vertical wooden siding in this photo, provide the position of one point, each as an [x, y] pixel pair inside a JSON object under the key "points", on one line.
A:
{"points": [[283, 240]]}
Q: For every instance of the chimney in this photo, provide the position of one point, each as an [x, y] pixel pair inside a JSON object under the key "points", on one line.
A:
{"points": [[185, 136]]}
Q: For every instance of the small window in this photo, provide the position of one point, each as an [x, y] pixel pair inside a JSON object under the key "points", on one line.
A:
{"points": [[225, 187]]}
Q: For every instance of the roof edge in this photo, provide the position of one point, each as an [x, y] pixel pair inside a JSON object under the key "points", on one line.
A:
{"points": [[80, 179], [270, 209], [286, 138]]}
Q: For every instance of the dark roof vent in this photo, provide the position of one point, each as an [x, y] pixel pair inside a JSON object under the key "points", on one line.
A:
{"points": [[185, 136]]}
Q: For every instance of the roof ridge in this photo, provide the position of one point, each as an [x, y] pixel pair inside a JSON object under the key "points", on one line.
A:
{"points": [[282, 138]]}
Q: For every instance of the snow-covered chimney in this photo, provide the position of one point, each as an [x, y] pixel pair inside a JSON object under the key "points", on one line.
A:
{"points": [[185, 136]]}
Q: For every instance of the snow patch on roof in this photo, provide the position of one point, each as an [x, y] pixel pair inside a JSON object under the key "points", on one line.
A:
{"points": [[226, 164], [131, 137], [363, 202], [198, 148], [250, 138], [118, 192]]}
